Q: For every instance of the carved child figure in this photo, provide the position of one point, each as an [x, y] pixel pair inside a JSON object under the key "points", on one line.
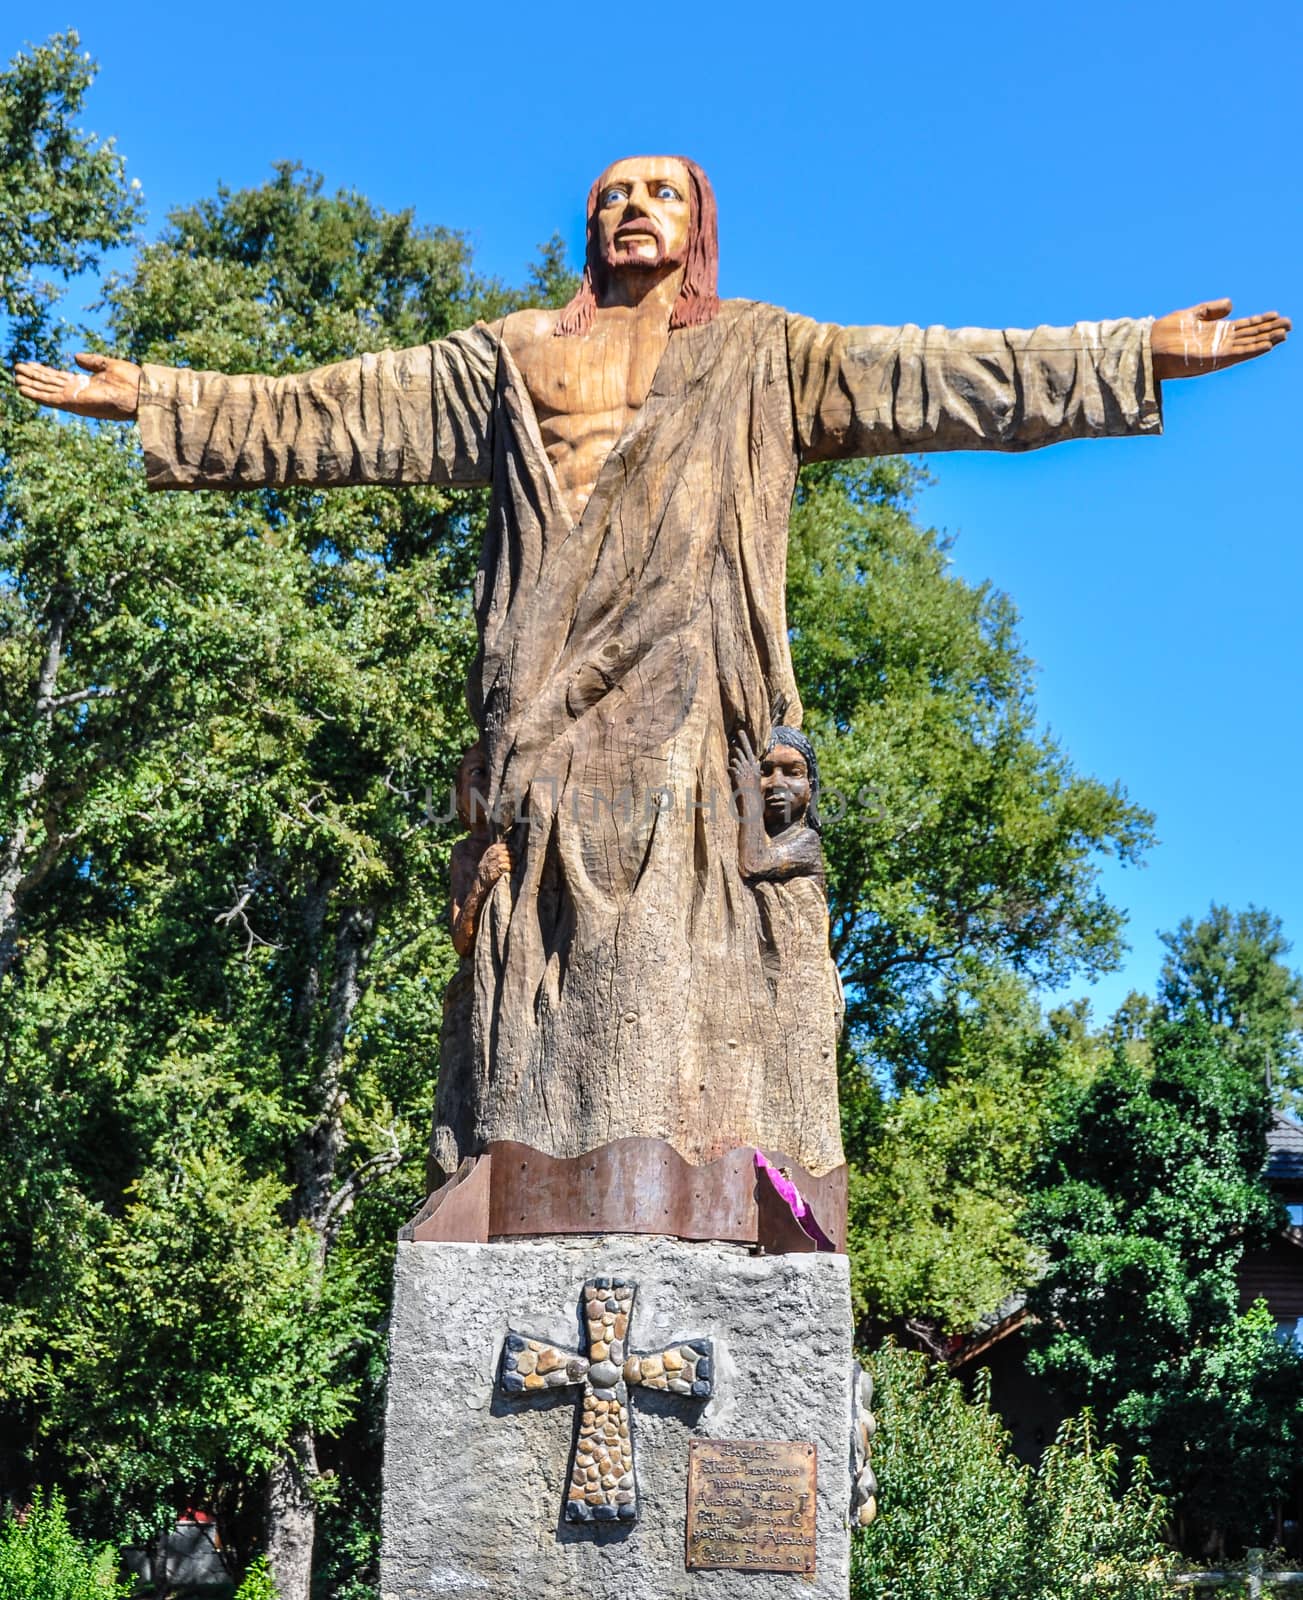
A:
{"points": [[780, 859], [476, 864], [778, 833]]}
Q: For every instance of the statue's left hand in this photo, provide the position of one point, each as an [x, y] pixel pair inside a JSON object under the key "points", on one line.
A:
{"points": [[108, 388], [495, 863], [1204, 338]]}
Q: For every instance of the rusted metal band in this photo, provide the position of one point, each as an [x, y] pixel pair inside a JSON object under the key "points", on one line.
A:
{"points": [[634, 1185]]}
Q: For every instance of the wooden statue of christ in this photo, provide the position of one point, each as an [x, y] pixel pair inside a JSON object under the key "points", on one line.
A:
{"points": [[642, 448]]}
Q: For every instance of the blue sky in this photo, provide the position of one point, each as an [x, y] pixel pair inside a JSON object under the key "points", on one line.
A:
{"points": [[960, 164]]}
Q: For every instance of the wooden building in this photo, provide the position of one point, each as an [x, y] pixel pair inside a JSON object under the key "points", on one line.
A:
{"points": [[1276, 1274]]}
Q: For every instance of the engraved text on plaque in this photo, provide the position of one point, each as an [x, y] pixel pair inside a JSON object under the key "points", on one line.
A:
{"points": [[751, 1504]]}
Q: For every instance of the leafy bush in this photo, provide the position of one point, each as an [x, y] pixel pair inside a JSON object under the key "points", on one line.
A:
{"points": [[962, 1518], [1082, 1535], [42, 1559], [258, 1584], [346, 1555], [951, 1524]]}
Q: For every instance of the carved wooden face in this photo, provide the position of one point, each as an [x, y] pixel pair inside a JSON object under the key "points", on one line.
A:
{"points": [[472, 786], [784, 786], [643, 213]]}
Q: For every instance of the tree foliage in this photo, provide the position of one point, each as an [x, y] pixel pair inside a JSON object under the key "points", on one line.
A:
{"points": [[963, 871], [1148, 1197], [1230, 968], [969, 846], [257, 1583], [937, 1199], [65, 198]]}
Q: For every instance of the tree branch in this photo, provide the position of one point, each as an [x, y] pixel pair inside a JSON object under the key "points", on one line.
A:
{"points": [[59, 702], [239, 913], [346, 1196]]}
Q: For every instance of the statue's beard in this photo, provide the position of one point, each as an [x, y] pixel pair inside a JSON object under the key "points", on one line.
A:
{"points": [[643, 228]]}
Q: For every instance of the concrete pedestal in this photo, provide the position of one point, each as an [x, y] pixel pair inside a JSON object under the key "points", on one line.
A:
{"points": [[475, 1481]]}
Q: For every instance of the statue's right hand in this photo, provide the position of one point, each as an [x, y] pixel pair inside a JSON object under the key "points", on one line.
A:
{"points": [[108, 388]]}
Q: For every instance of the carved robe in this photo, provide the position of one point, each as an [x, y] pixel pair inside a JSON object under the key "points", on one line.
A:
{"points": [[626, 980]]}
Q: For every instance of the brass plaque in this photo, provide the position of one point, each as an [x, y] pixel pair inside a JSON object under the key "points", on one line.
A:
{"points": [[751, 1504]]}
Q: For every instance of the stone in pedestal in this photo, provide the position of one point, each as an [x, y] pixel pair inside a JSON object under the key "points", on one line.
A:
{"points": [[477, 1480]]}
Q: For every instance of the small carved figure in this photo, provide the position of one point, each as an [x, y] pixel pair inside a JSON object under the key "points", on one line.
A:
{"points": [[778, 835], [780, 858], [478, 861]]}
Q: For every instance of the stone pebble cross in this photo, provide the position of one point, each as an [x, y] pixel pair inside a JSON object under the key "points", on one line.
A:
{"points": [[603, 1484]]}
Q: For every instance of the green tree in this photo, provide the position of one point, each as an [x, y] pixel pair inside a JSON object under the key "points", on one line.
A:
{"points": [[936, 1201], [218, 1021], [952, 1496], [1149, 1194], [969, 847], [963, 854], [63, 201], [1086, 1537], [1230, 967], [63, 195]]}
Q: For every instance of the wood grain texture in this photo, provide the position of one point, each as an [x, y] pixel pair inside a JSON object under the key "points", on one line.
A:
{"points": [[626, 980]]}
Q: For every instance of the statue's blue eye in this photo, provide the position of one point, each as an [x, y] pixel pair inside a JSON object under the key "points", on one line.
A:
{"points": [[611, 196], [668, 192]]}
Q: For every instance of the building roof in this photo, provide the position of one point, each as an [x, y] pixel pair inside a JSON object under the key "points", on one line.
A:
{"points": [[993, 1328], [1285, 1149]]}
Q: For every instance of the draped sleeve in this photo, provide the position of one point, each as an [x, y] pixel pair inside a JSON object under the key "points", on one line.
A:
{"points": [[877, 391], [422, 415]]}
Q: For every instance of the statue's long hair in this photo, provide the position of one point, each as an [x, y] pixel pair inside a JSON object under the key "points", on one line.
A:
{"points": [[698, 299], [794, 739]]}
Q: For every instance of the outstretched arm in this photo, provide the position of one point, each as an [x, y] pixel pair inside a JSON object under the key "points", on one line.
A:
{"points": [[422, 415], [875, 391]]}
